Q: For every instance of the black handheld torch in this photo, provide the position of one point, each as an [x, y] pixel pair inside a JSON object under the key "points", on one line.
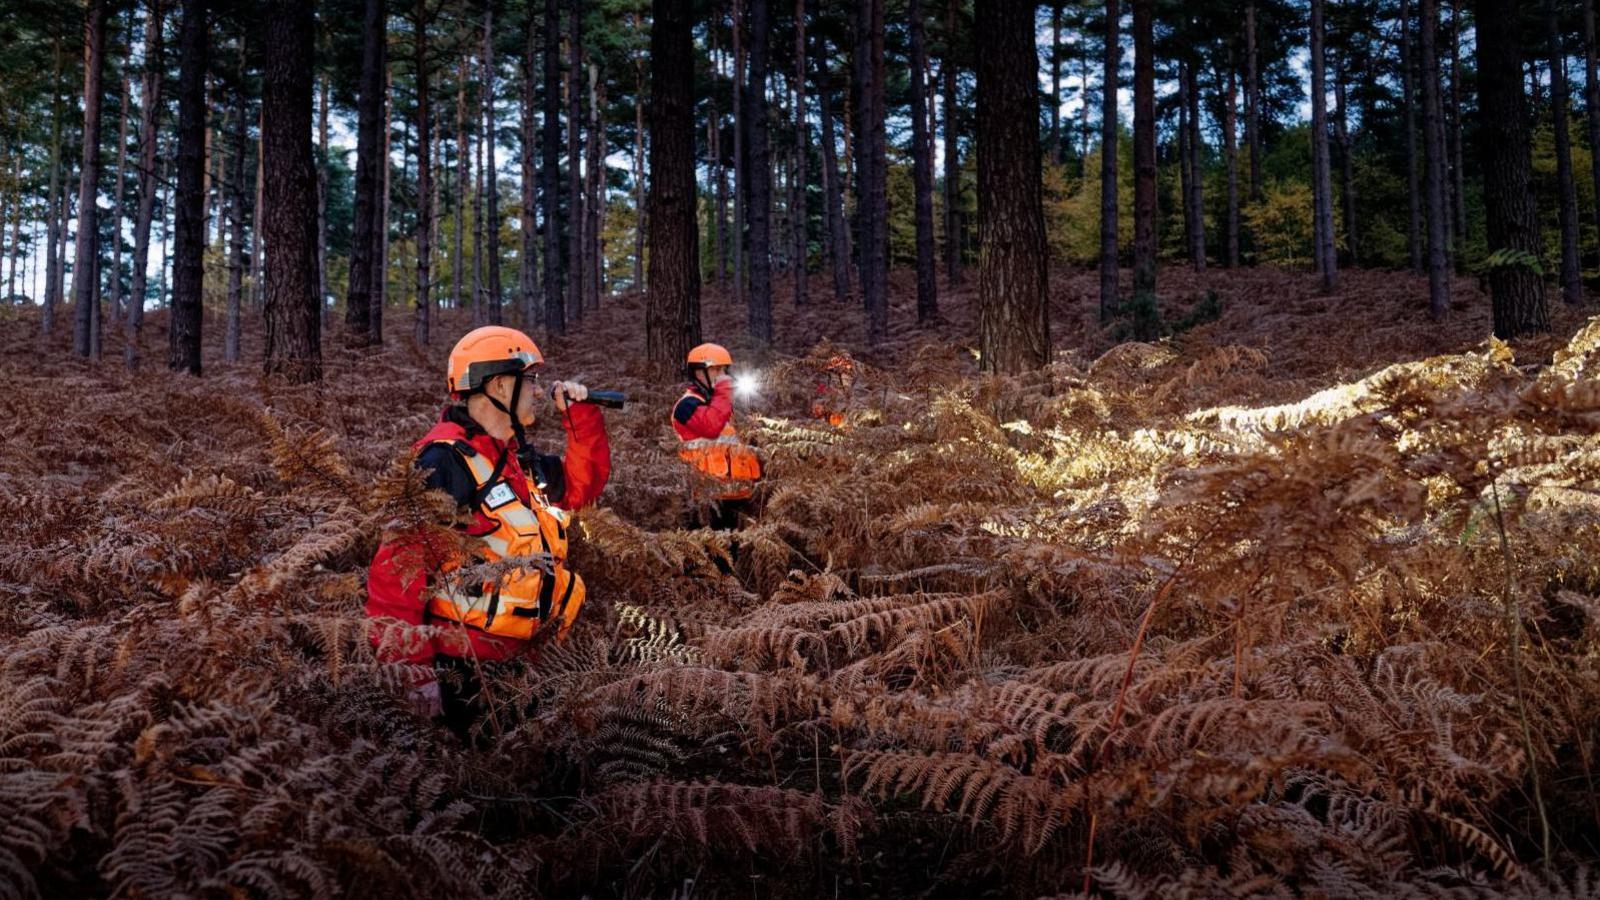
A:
{"points": [[608, 399]]}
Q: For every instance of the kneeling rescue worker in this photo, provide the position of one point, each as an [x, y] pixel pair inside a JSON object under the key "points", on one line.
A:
{"points": [[520, 503], [703, 420]]}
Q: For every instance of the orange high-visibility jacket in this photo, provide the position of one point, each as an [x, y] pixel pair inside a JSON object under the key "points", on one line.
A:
{"points": [[711, 444], [416, 580]]}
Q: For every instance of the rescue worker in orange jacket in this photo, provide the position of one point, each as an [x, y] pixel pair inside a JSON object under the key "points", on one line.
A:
{"points": [[520, 504], [703, 420], [833, 387]]}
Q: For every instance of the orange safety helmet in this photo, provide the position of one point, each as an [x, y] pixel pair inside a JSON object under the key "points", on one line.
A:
{"points": [[483, 353], [707, 355]]}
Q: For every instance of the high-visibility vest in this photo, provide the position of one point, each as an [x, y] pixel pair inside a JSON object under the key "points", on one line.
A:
{"points": [[726, 458], [518, 602]]}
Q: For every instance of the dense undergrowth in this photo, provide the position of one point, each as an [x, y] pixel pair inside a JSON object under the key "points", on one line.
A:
{"points": [[1303, 601]]}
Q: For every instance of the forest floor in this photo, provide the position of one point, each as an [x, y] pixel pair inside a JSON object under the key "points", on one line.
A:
{"points": [[1302, 601]]}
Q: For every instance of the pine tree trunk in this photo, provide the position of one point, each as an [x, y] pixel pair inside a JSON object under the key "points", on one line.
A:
{"points": [[555, 315], [1347, 169], [322, 197], [719, 219], [833, 181], [802, 241], [1413, 183], [672, 293], [482, 312], [380, 250], [741, 212], [118, 201], [1109, 262], [594, 196], [1433, 133], [233, 206], [1197, 197], [952, 162], [1013, 299], [1516, 289], [490, 176], [1144, 152], [1054, 147], [369, 148], [421, 325], [872, 168], [638, 162], [85, 258], [293, 315], [922, 164], [463, 178], [1457, 153], [54, 235], [1591, 97], [1571, 274], [529, 269], [1230, 134], [188, 272], [1252, 100], [758, 178], [575, 204], [1327, 262]]}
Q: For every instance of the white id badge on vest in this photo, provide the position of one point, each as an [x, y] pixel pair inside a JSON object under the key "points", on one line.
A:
{"points": [[499, 496]]}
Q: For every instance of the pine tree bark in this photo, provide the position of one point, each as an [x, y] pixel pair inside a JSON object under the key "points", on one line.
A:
{"points": [[922, 165], [1053, 149], [802, 241], [1347, 176], [293, 315], [422, 321], [1591, 96], [872, 168], [1433, 134], [369, 148], [575, 204], [1013, 300], [54, 232], [233, 213], [1230, 135], [741, 212], [1413, 177], [1252, 100], [1327, 262], [758, 178], [672, 285], [481, 310], [491, 175], [1516, 289], [1197, 197], [1109, 261], [86, 254], [528, 283], [380, 252], [594, 190], [458, 264], [555, 314], [322, 195], [833, 180], [1571, 274], [952, 148], [1144, 152], [118, 201], [638, 161], [1458, 168], [188, 250]]}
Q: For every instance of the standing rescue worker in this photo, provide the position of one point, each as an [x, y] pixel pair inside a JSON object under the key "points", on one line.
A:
{"points": [[703, 420], [520, 505]]}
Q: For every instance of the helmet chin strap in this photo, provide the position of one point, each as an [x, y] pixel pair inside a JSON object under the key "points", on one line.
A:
{"points": [[516, 421]]}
